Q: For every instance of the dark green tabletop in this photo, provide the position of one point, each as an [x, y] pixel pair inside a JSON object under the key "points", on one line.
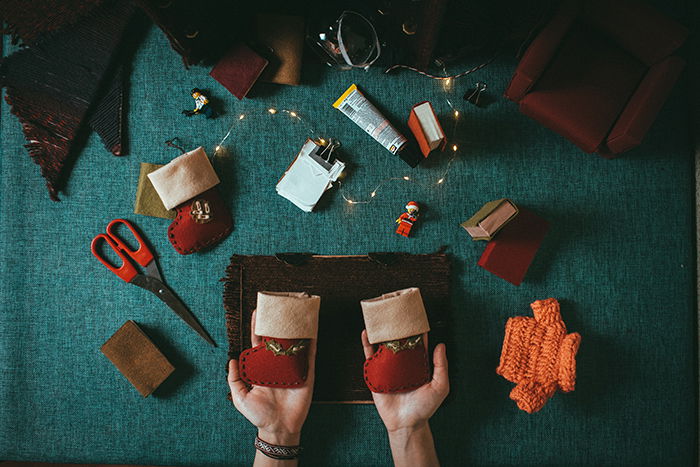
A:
{"points": [[619, 256]]}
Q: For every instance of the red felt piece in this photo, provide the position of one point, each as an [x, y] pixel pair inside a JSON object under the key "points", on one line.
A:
{"points": [[261, 367], [239, 69], [389, 372], [188, 236], [510, 253]]}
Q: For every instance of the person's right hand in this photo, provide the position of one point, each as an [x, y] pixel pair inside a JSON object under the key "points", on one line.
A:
{"points": [[413, 408]]}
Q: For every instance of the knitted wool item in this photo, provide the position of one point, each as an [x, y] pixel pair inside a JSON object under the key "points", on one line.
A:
{"points": [[539, 356]]}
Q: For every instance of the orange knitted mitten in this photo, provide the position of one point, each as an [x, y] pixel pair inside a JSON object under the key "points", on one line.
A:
{"points": [[539, 356]]}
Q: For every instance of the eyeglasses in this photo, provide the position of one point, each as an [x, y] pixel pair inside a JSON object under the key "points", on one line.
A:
{"points": [[350, 42]]}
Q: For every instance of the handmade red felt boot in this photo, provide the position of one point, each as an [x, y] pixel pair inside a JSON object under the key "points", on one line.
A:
{"points": [[396, 321], [285, 321], [188, 184]]}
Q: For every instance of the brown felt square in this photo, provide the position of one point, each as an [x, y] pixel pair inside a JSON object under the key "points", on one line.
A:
{"points": [[137, 358]]}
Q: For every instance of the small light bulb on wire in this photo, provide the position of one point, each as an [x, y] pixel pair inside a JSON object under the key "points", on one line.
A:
{"points": [[241, 117], [406, 178], [454, 147], [293, 114], [440, 181], [272, 111]]}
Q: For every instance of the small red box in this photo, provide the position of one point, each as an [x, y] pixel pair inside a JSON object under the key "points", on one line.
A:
{"points": [[510, 253]]}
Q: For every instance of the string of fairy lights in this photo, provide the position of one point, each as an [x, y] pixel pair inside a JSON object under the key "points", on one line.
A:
{"points": [[447, 84]]}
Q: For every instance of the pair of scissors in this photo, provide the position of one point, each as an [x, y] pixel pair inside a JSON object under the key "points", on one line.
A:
{"points": [[151, 280]]}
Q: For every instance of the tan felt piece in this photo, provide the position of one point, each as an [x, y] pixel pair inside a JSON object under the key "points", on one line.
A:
{"points": [[287, 315], [395, 315], [183, 178]]}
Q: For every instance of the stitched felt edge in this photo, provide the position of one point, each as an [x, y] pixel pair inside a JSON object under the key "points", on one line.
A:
{"points": [[197, 246], [244, 376], [404, 388]]}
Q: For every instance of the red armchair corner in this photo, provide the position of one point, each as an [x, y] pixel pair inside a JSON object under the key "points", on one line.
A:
{"points": [[599, 72]]}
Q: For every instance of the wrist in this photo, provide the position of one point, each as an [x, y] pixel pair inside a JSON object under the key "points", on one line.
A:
{"points": [[280, 437], [408, 431]]}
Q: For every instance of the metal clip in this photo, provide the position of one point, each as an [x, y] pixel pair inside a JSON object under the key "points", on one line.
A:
{"points": [[474, 96]]}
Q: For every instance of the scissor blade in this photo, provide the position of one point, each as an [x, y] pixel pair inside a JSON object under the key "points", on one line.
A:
{"points": [[168, 297], [152, 270]]}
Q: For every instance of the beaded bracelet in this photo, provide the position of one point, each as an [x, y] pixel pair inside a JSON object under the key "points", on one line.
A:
{"points": [[274, 451]]}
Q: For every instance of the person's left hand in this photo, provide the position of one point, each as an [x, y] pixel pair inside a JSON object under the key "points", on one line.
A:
{"points": [[278, 413]]}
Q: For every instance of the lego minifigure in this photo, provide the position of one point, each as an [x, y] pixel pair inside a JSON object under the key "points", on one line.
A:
{"points": [[202, 105], [407, 219]]}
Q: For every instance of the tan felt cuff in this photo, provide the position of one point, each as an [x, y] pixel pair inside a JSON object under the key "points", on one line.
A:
{"points": [[184, 178], [287, 315], [395, 315]]}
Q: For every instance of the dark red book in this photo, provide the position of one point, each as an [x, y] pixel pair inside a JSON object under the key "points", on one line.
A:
{"points": [[239, 69], [510, 253]]}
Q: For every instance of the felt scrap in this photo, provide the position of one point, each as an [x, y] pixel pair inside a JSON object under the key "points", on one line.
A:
{"points": [[395, 315], [284, 37], [239, 69], [287, 315], [183, 178], [137, 358], [148, 202], [51, 87]]}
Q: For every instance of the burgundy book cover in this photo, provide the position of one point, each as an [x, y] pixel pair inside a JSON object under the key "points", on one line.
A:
{"points": [[239, 69], [510, 253]]}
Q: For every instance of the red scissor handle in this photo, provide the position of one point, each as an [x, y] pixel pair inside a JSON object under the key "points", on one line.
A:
{"points": [[142, 255], [126, 271]]}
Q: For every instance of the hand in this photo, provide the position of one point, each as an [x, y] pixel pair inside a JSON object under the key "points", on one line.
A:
{"points": [[406, 414], [411, 409], [278, 413]]}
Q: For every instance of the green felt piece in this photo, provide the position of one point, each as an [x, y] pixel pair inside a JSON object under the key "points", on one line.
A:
{"points": [[619, 256], [148, 203]]}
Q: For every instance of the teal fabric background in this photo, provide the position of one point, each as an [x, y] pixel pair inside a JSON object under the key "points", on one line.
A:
{"points": [[619, 257]]}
